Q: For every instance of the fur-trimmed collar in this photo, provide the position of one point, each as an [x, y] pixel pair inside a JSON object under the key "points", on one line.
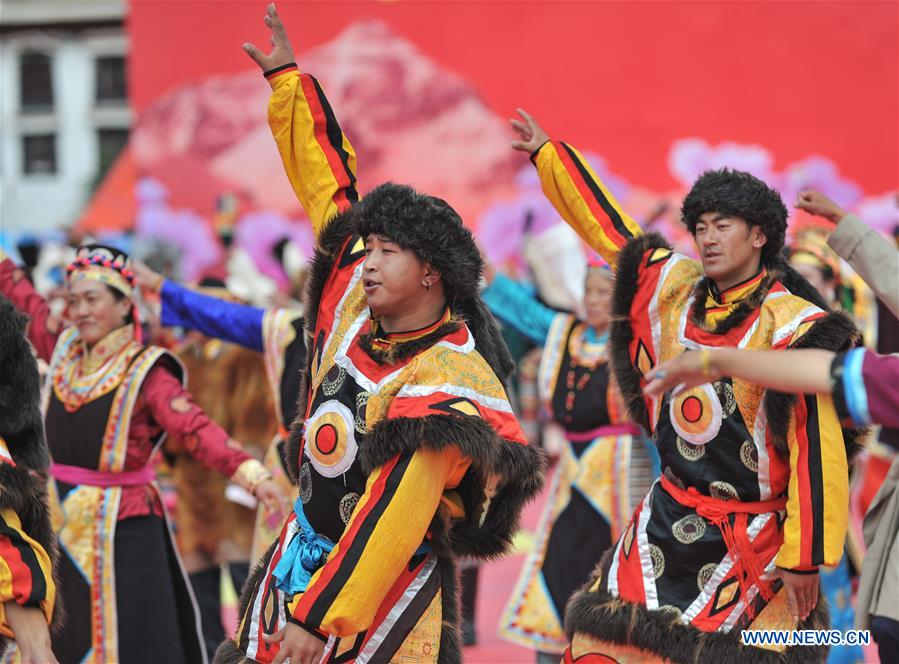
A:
{"points": [[399, 351], [391, 347], [740, 310], [738, 291]]}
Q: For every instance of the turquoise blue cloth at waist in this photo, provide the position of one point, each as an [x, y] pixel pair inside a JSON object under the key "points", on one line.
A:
{"points": [[306, 553]]}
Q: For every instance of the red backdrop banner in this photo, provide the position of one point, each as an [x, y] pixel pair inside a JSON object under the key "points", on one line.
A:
{"points": [[803, 94], [622, 78]]}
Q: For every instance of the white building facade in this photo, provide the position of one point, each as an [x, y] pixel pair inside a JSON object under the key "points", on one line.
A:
{"points": [[64, 111]]}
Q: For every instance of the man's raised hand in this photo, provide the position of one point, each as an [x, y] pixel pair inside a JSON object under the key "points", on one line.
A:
{"points": [[282, 51], [529, 132], [816, 203]]}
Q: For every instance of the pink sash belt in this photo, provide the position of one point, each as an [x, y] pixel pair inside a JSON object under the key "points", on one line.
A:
{"points": [[610, 430], [88, 477]]}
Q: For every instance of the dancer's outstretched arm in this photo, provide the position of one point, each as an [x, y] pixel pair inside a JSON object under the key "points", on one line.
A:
{"points": [[806, 370], [43, 326], [174, 410], [239, 324], [318, 158], [575, 190], [511, 302], [863, 383], [870, 254]]}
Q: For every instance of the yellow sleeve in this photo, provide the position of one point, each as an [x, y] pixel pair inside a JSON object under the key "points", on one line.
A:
{"points": [[818, 490], [318, 158], [26, 572], [387, 527], [582, 199]]}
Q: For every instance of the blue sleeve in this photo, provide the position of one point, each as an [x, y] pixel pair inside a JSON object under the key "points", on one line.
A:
{"points": [[854, 387], [514, 305], [238, 323]]}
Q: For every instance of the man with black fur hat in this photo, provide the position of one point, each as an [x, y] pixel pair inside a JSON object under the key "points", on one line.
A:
{"points": [[753, 494], [27, 544], [406, 451]]}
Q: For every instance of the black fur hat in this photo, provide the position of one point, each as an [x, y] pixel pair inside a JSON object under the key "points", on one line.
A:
{"points": [[434, 231], [739, 194], [427, 226]]}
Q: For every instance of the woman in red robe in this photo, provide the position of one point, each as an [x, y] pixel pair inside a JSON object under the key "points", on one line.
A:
{"points": [[108, 403]]}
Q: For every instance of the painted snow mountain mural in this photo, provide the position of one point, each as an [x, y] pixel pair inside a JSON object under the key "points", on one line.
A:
{"points": [[206, 152], [409, 120]]}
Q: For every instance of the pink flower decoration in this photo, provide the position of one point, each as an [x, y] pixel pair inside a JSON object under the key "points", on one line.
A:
{"points": [[821, 174], [880, 212], [691, 157]]}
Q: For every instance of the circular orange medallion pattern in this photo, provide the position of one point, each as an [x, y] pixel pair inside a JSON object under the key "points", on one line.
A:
{"points": [[696, 414], [330, 439]]}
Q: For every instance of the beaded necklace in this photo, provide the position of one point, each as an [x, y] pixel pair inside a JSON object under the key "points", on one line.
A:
{"points": [[586, 355], [589, 354]]}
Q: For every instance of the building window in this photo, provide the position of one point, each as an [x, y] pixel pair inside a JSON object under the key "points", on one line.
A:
{"points": [[112, 141], [111, 83], [36, 82], [39, 154]]}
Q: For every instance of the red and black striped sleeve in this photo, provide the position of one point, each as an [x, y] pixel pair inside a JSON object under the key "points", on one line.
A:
{"points": [[318, 158], [26, 576], [818, 489], [583, 200]]}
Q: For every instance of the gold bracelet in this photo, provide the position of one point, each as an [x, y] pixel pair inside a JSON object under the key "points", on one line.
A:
{"points": [[705, 357], [250, 474]]}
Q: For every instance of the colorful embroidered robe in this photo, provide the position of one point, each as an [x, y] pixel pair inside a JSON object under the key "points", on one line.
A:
{"points": [[407, 454], [670, 587]]}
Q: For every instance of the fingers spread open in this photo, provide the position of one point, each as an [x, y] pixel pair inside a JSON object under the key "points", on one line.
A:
{"points": [[254, 53]]}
